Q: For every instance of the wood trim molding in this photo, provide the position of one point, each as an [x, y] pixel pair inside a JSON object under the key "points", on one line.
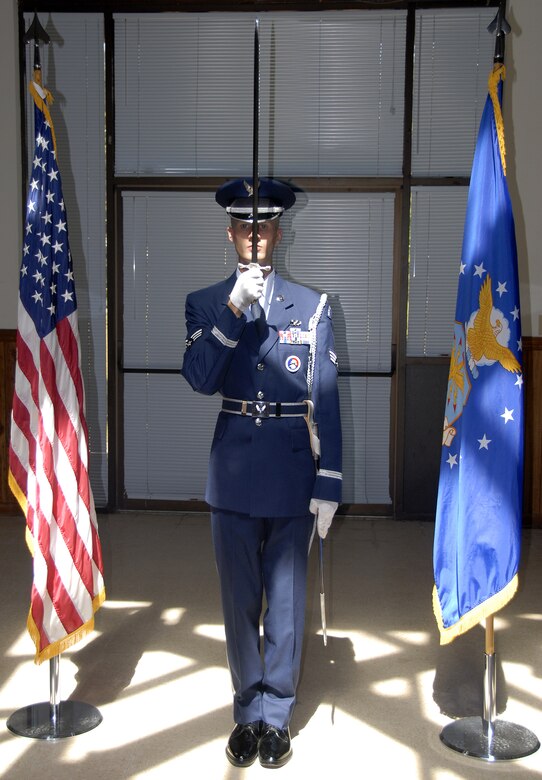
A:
{"points": [[8, 504], [532, 484]]}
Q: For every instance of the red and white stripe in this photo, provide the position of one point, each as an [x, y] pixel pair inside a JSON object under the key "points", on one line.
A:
{"points": [[49, 475]]}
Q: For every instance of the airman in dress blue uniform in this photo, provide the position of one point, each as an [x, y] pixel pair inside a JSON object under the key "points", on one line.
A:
{"points": [[266, 345]]}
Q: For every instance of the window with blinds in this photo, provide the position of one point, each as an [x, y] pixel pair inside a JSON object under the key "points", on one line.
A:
{"points": [[331, 93], [453, 58], [436, 236]]}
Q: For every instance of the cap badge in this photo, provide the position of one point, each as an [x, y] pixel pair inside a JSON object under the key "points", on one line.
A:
{"points": [[248, 188]]}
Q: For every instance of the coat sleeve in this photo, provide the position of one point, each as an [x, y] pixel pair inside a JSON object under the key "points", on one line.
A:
{"points": [[212, 336], [325, 396]]}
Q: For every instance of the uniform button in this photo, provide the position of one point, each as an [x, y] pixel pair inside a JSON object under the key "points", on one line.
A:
{"points": [[258, 421], [260, 366], [259, 395]]}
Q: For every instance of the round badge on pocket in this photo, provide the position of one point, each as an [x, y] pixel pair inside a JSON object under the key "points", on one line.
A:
{"points": [[293, 363]]}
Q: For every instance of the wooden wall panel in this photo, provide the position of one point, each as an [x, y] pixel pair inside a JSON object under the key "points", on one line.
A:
{"points": [[532, 368], [8, 505]]}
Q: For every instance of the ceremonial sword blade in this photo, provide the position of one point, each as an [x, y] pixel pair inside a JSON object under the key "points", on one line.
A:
{"points": [[255, 137], [322, 591]]}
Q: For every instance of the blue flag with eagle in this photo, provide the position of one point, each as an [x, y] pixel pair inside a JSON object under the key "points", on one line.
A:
{"points": [[478, 519]]}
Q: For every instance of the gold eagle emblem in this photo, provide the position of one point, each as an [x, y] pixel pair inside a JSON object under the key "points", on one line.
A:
{"points": [[483, 335]]}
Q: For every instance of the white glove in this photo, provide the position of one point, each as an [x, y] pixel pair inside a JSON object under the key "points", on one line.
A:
{"points": [[324, 512], [248, 287]]}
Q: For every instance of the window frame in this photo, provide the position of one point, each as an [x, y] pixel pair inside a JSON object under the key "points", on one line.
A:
{"points": [[400, 186]]}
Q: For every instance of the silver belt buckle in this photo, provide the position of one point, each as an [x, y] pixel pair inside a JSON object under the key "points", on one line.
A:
{"points": [[260, 408]]}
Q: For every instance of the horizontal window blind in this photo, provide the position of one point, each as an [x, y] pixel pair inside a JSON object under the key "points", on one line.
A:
{"points": [[437, 220], [73, 71], [365, 421], [168, 429], [331, 93], [453, 60], [174, 243]]}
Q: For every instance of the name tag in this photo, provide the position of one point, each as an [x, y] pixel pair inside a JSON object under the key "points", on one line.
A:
{"points": [[294, 336]]}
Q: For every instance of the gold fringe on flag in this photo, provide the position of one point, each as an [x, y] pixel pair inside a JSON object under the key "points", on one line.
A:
{"points": [[66, 642], [475, 615], [56, 648], [21, 500]]}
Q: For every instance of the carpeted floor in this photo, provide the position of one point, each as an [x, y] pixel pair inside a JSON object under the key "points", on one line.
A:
{"points": [[370, 705]]}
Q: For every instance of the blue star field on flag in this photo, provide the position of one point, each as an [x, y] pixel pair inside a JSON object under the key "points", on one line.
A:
{"points": [[46, 286]]}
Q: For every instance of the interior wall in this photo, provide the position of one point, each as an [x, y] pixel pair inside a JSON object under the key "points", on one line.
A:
{"points": [[522, 112], [10, 181]]}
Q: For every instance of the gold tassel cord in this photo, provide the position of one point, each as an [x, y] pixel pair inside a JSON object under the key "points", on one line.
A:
{"points": [[498, 73], [43, 102]]}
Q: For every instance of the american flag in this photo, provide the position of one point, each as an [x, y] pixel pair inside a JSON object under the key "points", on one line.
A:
{"points": [[48, 456]]}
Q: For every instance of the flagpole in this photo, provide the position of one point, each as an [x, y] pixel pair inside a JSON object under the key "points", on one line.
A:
{"points": [[54, 701], [36, 33], [486, 737], [490, 681]]}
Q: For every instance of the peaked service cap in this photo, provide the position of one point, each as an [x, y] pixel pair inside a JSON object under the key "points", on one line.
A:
{"points": [[274, 197]]}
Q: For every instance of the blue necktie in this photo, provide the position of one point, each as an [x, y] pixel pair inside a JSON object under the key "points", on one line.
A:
{"points": [[259, 318]]}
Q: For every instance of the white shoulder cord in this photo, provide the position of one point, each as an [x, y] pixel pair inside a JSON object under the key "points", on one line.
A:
{"points": [[314, 437], [313, 322]]}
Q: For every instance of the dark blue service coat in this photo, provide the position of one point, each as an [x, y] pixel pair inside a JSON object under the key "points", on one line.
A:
{"points": [[265, 468]]}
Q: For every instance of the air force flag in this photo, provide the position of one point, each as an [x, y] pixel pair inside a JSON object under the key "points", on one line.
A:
{"points": [[478, 519]]}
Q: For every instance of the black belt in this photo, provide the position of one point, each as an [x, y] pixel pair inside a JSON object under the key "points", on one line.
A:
{"points": [[264, 408]]}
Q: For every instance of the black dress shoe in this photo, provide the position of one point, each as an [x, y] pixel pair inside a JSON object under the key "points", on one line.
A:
{"points": [[274, 749], [242, 747]]}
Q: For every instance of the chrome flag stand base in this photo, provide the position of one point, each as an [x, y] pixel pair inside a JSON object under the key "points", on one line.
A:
{"points": [[53, 719], [497, 741], [485, 737]]}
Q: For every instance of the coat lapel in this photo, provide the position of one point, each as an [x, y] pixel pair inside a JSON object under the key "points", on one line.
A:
{"points": [[280, 313]]}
